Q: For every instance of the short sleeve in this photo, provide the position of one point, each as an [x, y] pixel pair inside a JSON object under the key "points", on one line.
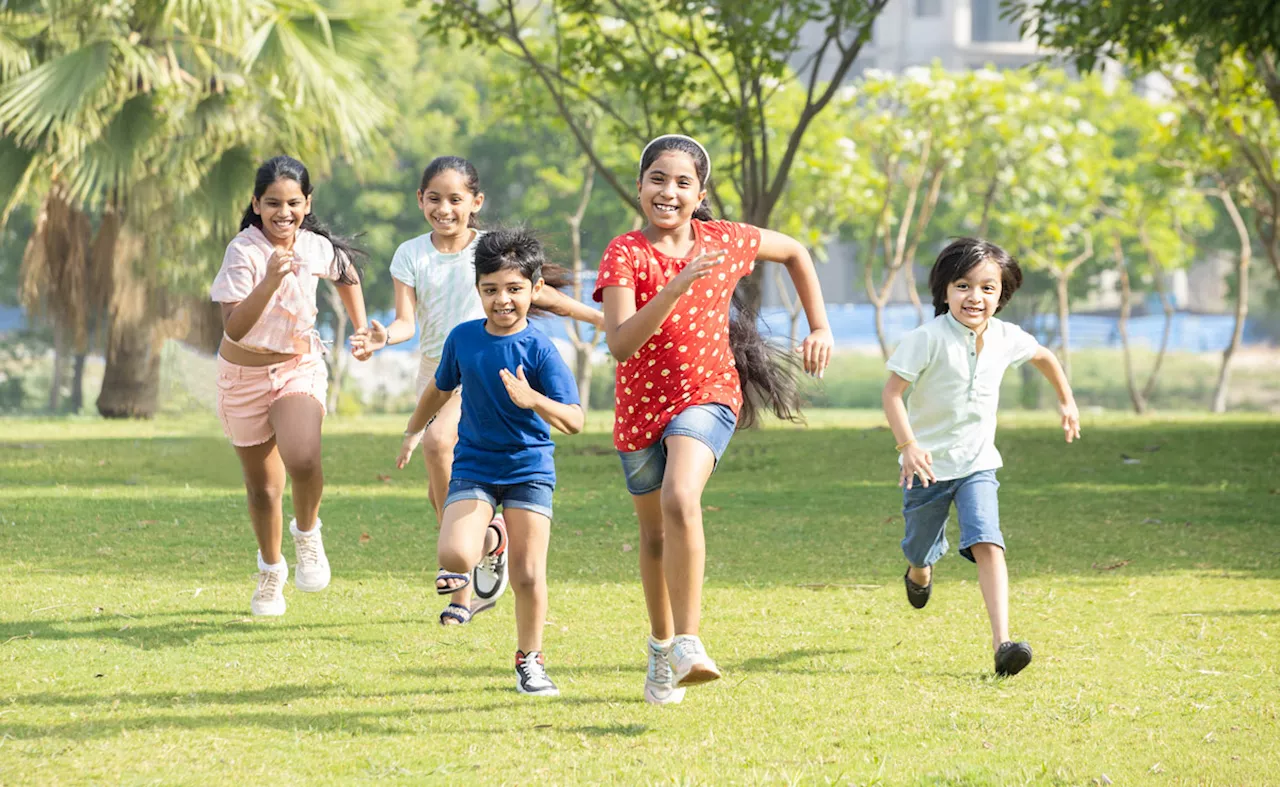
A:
{"points": [[1021, 345], [746, 239], [617, 268], [554, 377], [449, 373], [911, 356], [236, 278], [403, 268], [327, 258]]}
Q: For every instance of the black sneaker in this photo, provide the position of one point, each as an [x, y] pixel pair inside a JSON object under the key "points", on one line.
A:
{"points": [[1012, 658], [918, 595], [531, 675]]}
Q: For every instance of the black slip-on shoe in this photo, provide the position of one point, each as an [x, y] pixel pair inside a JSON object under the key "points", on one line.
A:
{"points": [[1012, 658], [918, 595]]}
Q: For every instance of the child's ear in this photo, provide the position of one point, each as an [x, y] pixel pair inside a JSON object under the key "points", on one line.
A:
{"points": [[537, 286], [257, 207], [478, 203]]}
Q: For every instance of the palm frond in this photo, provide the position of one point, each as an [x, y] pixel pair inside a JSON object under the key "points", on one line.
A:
{"points": [[55, 92], [16, 167]]}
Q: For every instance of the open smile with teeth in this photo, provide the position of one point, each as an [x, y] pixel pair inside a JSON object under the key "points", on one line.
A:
{"points": [[282, 224], [665, 210], [446, 222], [504, 312], [974, 311]]}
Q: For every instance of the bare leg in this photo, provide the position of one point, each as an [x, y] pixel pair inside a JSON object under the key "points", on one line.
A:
{"points": [[689, 465], [264, 484], [920, 576], [652, 577], [462, 535], [993, 578], [437, 453], [296, 420], [530, 535]]}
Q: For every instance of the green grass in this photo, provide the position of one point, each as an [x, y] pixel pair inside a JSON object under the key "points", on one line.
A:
{"points": [[1150, 591]]}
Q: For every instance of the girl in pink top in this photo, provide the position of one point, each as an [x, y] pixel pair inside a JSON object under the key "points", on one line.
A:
{"points": [[683, 367], [271, 375]]}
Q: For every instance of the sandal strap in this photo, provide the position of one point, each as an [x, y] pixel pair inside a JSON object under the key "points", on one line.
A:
{"points": [[457, 612], [449, 576]]}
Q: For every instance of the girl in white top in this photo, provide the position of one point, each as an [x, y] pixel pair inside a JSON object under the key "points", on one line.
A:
{"points": [[435, 290], [271, 376]]}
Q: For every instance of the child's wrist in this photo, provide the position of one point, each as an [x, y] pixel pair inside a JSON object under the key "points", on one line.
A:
{"points": [[900, 447]]}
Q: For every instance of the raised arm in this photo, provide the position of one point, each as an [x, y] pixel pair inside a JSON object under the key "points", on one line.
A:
{"points": [[817, 346], [1047, 363], [558, 303], [239, 318], [568, 418]]}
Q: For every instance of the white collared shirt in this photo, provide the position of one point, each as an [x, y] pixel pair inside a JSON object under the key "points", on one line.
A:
{"points": [[444, 286], [955, 389]]}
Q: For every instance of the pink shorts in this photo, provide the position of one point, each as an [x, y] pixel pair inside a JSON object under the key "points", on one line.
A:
{"points": [[246, 393]]}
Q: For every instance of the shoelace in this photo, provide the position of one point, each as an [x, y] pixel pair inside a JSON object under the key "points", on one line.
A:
{"points": [[269, 583], [659, 666], [308, 550], [533, 671], [687, 648]]}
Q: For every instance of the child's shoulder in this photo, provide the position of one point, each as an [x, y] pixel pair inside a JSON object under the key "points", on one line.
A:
{"points": [[415, 247]]}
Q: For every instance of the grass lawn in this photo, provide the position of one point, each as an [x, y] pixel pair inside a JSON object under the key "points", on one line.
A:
{"points": [[1149, 590]]}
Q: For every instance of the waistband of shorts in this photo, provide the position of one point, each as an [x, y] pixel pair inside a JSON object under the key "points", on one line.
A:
{"points": [[237, 372]]}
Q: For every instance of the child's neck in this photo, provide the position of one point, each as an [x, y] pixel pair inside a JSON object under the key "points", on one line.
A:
{"points": [[452, 245], [495, 330], [678, 242]]}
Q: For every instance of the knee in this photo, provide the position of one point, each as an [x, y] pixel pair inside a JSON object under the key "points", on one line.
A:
{"points": [[451, 558], [680, 507], [307, 466], [438, 446], [651, 542], [264, 495], [526, 579]]}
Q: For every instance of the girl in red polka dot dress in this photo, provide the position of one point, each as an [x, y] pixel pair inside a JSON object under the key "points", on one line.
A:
{"points": [[682, 368]]}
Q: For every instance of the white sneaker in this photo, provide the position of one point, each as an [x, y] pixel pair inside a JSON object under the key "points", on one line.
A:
{"points": [[690, 662], [311, 572], [531, 675], [268, 599], [489, 577], [659, 684]]}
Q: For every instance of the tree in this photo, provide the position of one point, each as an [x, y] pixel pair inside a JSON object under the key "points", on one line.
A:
{"points": [[152, 115], [635, 68]]}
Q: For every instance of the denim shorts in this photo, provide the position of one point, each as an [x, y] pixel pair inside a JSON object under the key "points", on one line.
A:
{"points": [[710, 424], [532, 496], [925, 510]]}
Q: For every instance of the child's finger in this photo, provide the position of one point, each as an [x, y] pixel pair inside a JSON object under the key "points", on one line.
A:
{"points": [[520, 373]]}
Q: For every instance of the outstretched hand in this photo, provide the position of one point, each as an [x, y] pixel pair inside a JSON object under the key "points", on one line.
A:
{"points": [[1070, 419], [518, 388], [406, 448], [816, 351], [368, 340]]}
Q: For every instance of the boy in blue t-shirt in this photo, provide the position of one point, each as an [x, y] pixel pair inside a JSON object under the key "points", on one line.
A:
{"points": [[514, 388]]}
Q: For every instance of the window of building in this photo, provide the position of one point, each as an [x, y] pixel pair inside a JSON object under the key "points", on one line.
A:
{"points": [[989, 26]]}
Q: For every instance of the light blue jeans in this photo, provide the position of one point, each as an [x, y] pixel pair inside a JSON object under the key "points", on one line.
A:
{"points": [[926, 511]]}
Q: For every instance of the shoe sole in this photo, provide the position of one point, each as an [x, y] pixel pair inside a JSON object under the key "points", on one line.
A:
{"points": [[269, 613], [310, 588], [552, 693], [1015, 665], [698, 675]]}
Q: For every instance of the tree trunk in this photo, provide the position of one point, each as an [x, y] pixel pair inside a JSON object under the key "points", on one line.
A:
{"points": [[131, 381], [909, 275], [76, 403], [1157, 274], [337, 355], [1242, 301], [1122, 325], [1064, 314], [58, 375]]}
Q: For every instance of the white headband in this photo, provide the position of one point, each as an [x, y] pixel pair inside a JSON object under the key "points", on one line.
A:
{"points": [[705, 155]]}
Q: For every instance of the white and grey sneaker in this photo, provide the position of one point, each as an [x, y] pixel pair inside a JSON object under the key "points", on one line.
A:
{"points": [[268, 599], [531, 675], [659, 684], [690, 662], [311, 572], [489, 578]]}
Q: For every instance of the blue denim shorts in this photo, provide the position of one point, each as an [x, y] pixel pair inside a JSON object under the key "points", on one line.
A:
{"points": [[710, 424], [925, 510], [532, 496]]}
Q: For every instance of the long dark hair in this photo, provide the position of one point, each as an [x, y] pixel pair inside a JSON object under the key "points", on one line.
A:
{"points": [[286, 168], [471, 178], [768, 374], [963, 255], [517, 248]]}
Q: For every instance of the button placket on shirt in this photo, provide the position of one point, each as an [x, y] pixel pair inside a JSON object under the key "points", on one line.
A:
{"points": [[972, 342]]}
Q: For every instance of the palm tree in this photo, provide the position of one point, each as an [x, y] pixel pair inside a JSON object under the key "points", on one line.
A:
{"points": [[149, 116]]}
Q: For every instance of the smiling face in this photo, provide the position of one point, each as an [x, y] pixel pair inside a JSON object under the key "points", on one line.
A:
{"points": [[670, 190], [974, 297], [447, 204], [507, 295], [282, 208]]}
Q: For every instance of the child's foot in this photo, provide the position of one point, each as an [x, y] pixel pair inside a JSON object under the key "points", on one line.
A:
{"points": [[489, 578], [311, 572], [690, 662], [531, 675], [268, 599], [918, 594], [660, 683], [1012, 658]]}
